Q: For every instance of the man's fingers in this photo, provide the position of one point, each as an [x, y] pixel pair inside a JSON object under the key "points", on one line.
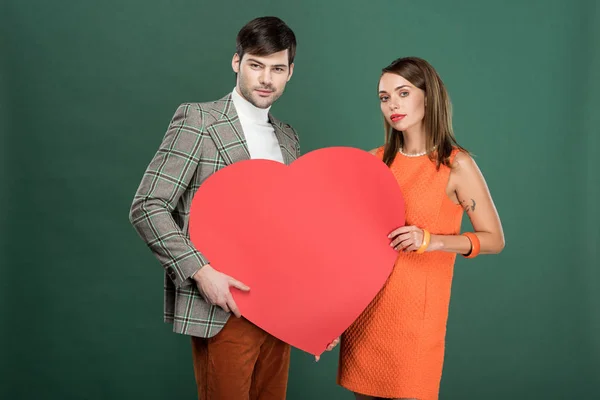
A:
{"points": [[237, 284], [224, 306], [332, 345], [232, 306], [202, 294]]}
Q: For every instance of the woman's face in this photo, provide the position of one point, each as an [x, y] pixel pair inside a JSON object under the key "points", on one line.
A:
{"points": [[402, 103]]}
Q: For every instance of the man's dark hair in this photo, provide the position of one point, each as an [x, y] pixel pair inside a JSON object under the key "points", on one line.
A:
{"points": [[264, 36]]}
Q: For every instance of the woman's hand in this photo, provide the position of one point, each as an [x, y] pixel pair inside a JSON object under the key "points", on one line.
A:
{"points": [[407, 238]]}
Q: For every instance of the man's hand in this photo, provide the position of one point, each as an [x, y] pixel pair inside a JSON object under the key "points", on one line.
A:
{"points": [[329, 348], [214, 287]]}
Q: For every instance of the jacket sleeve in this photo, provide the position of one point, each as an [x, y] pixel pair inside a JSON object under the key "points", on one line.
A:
{"points": [[166, 178]]}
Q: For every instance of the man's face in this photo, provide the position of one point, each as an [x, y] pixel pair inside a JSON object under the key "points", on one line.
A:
{"points": [[262, 79]]}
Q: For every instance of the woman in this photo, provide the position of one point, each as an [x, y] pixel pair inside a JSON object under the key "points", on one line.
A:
{"points": [[395, 349]]}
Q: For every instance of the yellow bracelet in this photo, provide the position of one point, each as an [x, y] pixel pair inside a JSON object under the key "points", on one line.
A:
{"points": [[425, 244]]}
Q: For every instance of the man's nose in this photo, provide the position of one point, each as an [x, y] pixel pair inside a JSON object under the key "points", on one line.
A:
{"points": [[265, 77]]}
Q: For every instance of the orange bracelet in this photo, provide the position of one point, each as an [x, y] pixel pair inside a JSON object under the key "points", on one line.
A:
{"points": [[475, 245], [425, 244]]}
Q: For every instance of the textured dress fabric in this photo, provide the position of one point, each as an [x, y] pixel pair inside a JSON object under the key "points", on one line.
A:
{"points": [[395, 349]]}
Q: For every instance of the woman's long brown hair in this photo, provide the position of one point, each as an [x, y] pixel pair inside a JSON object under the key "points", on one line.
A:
{"points": [[438, 112]]}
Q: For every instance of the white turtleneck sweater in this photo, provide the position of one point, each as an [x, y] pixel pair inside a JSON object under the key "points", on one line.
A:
{"points": [[259, 133]]}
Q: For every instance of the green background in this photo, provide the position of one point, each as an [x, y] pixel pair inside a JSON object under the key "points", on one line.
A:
{"points": [[87, 90]]}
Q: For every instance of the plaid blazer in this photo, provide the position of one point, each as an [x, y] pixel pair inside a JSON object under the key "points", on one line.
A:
{"points": [[201, 139]]}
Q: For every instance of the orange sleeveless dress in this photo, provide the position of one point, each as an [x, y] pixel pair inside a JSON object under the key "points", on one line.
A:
{"points": [[395, 349]]}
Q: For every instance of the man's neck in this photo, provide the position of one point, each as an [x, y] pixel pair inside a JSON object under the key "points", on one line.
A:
{"points": [[245, 109]]}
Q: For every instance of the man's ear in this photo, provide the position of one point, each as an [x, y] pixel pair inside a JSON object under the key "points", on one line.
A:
{"points": [[291, 72], [235, 63]]}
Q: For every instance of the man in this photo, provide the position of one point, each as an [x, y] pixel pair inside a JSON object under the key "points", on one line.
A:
{"points": [[233, 359]]}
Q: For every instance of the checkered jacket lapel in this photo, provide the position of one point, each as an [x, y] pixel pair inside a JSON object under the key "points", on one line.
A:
{"points": [[231, 142], [227, 133], [288, 142]]}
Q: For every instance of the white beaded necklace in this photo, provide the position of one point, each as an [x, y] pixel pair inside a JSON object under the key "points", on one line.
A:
{"points": [[412, 155]]}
